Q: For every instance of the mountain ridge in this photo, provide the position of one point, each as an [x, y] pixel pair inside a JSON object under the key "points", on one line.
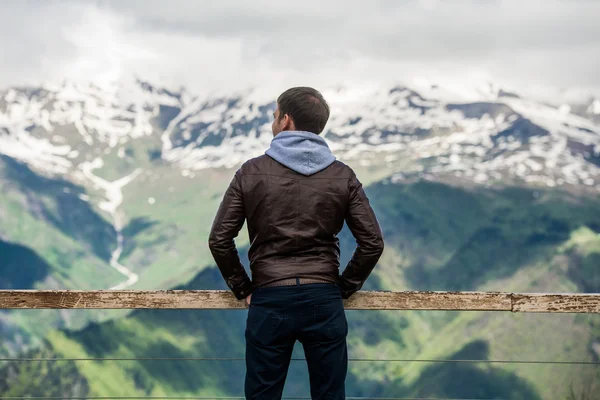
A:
{"points": [[490, 138]]}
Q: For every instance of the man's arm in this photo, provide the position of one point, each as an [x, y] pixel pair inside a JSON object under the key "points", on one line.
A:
{"points": [[369, 240], [226, 226]]}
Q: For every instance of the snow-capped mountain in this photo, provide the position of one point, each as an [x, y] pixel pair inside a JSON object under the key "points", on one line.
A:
{"points": [[483, 135], [594, 107]]}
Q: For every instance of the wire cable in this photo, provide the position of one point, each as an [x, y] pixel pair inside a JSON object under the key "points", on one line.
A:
{"points": [[448, 361], [220, 398]]}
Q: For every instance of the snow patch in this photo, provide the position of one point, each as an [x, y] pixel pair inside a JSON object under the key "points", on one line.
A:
{"points": [[594, 108], [114, 198]]}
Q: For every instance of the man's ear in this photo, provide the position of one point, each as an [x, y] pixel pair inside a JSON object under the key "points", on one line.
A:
{"points": [[288, 123]]}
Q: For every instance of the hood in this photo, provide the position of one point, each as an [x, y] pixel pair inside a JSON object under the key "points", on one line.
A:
{"points": [[304, 152]]}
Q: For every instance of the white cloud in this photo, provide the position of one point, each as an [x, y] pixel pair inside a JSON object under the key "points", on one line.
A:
{"points": [[548, 48]]}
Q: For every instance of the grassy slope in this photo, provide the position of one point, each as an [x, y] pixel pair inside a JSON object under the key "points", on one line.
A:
{"points": [[440, 225], [434, 225], [165, 242], [48, 217], [154, 333], [45, 220]]}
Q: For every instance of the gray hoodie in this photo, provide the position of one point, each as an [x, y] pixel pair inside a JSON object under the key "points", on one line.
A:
{"points": [[305, 152]]}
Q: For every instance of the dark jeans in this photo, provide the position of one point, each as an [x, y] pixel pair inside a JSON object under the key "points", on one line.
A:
{"points": [[278, 316]]}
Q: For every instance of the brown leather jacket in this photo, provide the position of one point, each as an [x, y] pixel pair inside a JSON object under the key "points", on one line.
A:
{"points": [[293, 222]]}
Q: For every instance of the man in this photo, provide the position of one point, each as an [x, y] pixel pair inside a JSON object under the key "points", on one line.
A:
{"points": [[296, 198]]}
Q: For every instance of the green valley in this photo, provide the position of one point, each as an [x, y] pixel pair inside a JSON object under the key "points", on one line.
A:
{"points": [[440, 237]]}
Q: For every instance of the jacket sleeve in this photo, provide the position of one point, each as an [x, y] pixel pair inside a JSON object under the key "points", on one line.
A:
{"points": [[363, 224], [226, 226]]}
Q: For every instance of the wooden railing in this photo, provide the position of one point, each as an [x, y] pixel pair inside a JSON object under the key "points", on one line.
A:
{"points": [[363, 300]]}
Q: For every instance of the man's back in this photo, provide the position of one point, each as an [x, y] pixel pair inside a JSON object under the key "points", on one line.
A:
{"points": [[293, 221]]}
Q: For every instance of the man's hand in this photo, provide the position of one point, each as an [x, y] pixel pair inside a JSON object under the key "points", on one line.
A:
{"points": [[248, 299]]}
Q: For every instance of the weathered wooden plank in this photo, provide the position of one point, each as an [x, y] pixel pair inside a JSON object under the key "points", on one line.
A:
{"points": [[119, 299], [216, 299], [556, 302], [465, 301], [364, 300]]}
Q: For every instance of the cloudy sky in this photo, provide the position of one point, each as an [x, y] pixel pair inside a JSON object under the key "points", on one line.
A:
{"points": [[545, 48]]}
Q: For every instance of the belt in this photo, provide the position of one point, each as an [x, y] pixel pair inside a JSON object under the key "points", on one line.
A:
{"points": [[295, 281]]}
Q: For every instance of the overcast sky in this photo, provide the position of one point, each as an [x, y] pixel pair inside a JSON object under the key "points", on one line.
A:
{"points": [[546, 48]]}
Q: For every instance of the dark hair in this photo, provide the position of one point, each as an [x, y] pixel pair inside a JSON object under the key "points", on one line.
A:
{"points": [[307, 108]]}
